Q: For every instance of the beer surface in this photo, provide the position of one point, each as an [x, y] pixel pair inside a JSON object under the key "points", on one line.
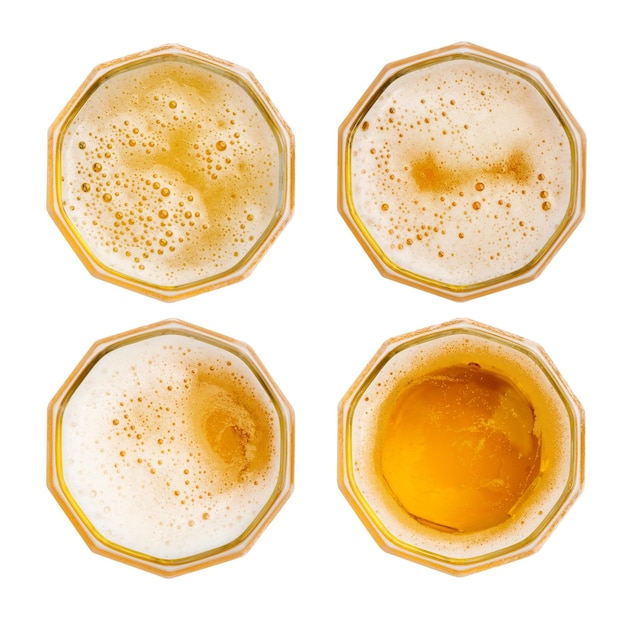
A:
{"points": [[460, 449], [461, 171], [170, 172], [170, 446]]}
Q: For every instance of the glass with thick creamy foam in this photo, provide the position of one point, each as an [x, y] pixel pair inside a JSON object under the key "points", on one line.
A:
{"points": [[170, 448], [461, 171], [170, 172], [461, 447]]}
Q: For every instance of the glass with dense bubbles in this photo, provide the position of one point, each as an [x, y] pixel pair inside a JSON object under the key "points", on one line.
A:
{"points": [[170, 172], [461, 171], [460, 447], [170, 448]]}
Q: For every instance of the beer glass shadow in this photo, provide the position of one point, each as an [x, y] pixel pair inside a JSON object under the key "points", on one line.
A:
{"points": [[170, 448], [170, 172], [461, 171], [460, 447]]}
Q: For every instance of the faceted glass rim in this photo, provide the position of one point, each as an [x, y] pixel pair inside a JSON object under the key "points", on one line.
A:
{"points": [[370, 518], [96, 541], [283, 135], [539, 81]]}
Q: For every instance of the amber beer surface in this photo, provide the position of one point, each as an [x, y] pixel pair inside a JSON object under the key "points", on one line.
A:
{"points": [[460, 450], [172, 171], [460, 446]]}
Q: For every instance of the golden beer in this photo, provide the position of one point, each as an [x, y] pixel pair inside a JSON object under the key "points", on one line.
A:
{"points": [[460, 447]]}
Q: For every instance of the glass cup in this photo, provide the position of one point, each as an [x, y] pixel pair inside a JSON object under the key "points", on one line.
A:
{"points": [[170, 448], [460, 447], [170, 172], [461, 171]]}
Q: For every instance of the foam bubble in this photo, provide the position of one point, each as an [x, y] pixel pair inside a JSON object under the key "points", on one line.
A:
{"points": [[461, 171], [170, 446]]}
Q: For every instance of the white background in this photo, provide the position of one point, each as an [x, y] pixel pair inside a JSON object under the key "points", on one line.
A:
{"points": [[315, 310]]}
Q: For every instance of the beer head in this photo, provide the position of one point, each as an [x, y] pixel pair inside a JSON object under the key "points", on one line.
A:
{"points": [[461, 171], [170, 448], [170, 172], [460, 447]]}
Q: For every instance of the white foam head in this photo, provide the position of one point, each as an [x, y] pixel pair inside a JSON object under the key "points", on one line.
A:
{"points": [[460, 171], [171, 446]]}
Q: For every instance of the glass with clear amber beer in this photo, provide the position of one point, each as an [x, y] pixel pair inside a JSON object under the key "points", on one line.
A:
{"points": [[460, 447]]}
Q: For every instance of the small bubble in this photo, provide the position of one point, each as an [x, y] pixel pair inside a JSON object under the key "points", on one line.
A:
{"points": [[480, 186], [107, 197], [384, 207], [546, 206], [85, 187], [476, 206], [156, 185], [97, 167], [221, 145], [365, 125], [250, 217], [543, 194], [165, 192], [82, 145], [541, 177], [163, 214]]}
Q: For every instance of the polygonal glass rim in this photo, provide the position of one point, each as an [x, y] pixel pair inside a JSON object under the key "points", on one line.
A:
{"points": [[370, 518], [280, 130], [539, 81], [169, 567]]}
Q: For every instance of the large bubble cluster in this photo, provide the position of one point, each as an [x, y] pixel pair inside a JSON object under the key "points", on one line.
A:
{"points": [[171, 172]]}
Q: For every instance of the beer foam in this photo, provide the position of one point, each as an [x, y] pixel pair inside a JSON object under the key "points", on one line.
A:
{"points": [[461, 171], [171, 171], [170, 447], [552, 429]]}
